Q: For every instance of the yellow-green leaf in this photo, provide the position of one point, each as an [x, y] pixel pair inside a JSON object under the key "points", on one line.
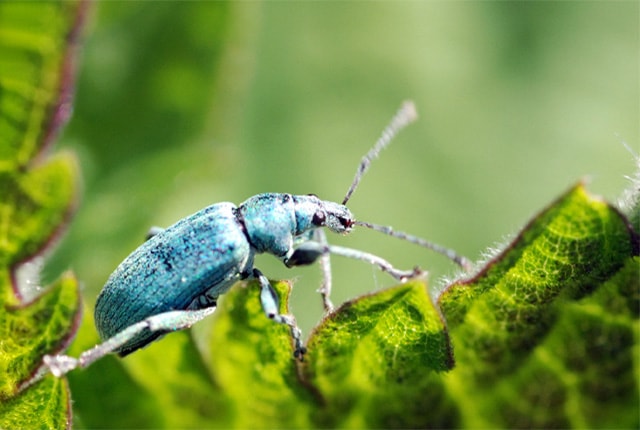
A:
{"points": [[551, 325]]}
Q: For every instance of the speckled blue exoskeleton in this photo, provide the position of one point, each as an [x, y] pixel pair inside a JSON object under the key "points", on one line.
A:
{"points": [[174, 278]]}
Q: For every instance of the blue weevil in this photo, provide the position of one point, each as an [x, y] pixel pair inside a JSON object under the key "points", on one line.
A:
{"points": [[174, 278]]}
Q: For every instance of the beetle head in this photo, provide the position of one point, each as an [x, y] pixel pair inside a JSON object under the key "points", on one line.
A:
{"points": [[337, 218], [312, 213]]}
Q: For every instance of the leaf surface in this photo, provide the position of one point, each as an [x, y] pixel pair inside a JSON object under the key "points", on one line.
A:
{"points": [[550, 324], [37, 196]]}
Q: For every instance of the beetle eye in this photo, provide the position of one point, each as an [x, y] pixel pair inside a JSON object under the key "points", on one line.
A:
{"points": [[318, 218], [346, 222]]}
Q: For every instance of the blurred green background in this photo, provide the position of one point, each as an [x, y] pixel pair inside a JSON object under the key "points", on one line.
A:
{"points": [[183, 104]]}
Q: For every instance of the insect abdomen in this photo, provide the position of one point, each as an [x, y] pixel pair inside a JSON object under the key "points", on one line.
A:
{"points": [[207, 251]]}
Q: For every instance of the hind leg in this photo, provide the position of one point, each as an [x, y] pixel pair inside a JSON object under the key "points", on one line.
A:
{"points": [[164, 322]]}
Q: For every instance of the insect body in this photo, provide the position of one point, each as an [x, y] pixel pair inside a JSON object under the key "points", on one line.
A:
{"points": [[188, 265], [174, 279]]}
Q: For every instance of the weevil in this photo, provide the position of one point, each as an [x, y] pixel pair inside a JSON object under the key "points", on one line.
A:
{"points": [[174, 279]]}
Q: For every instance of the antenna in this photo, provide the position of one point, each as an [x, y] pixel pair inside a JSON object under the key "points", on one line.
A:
{"points": [[460, 260], [405, 116]]}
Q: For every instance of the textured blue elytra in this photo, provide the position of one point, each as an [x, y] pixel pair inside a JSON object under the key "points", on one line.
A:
{"points": [[191, 263], [171, 269]]}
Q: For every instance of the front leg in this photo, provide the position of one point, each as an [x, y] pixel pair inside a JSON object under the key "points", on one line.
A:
{"points": [[325, 266], [271, 307], [308, 253]]}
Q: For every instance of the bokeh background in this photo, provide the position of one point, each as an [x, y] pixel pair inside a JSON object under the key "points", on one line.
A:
{"points": [[183, 104]]}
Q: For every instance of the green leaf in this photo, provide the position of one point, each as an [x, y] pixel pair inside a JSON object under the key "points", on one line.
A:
{"points": [[29, 331], [44, 405], [393, 339], [377, 362], [38, 195], [35, 205], [550, 324], [164, 386], [36, 75], [252, 361]]}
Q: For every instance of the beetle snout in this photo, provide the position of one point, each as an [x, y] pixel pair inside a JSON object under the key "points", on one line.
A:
{"points": [[339, 218]]}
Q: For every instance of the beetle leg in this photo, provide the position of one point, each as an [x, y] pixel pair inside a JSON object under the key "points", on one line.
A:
{"points": [[306, 254], [271, 305], [153, 231], [325, 267], [309, 252], [384, 265], [206, 300], [164, 322]]}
